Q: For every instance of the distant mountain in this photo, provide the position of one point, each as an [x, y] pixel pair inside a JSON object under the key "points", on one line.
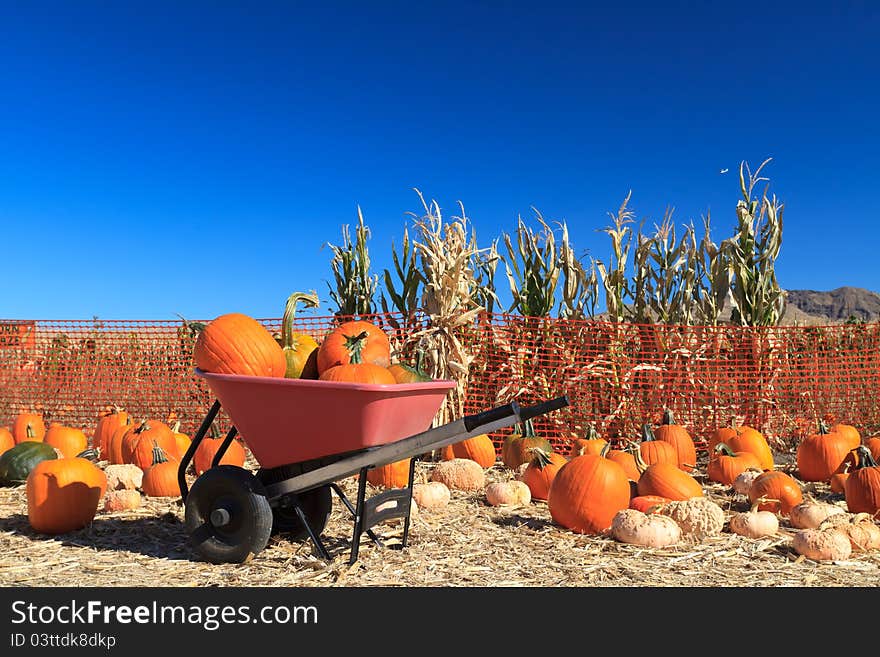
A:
{"points": [[837, 305]]}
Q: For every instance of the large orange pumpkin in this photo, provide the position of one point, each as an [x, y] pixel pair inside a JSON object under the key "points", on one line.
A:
{"points": [[70, 441], [677, 436], [819, 455], [235, 343], [160, 479], [873, 445], [28, 426], [849, 432], [357, 372], [725, 465], [587, 492], [751, 440], [653, 451], [63, 494], [359, 338]]}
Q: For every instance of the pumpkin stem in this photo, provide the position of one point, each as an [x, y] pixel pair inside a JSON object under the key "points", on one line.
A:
{"points": [[667, 417], [176, 426], [592, 433], [823, 427], [647, 433], [215, 432], [355, 345], [605, 449], [309, 300], [29, 431], [641, 466], [91, 454], [158, 454], [864, 458], [722, 447], [528, 429], [540, 457]]}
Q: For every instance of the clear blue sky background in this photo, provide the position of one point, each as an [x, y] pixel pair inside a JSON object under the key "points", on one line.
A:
{"points": [[194, 157]]}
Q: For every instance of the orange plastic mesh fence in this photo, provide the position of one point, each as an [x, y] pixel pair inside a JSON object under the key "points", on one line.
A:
{"points": [[618, 376]]}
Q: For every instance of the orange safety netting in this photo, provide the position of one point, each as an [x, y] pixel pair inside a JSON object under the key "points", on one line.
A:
{"points": [[618, 376]]}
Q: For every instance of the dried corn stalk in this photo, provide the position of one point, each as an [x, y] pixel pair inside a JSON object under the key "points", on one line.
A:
{"points": [[614, 280], [712, 278], [532, 269], [580, 289], [446, 255], [756, 296], [355, 286]]}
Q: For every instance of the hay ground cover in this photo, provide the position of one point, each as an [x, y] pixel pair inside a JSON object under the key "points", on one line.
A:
{"points": [[467, 544]]}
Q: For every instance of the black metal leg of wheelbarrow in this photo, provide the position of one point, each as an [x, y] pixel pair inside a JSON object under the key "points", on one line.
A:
{"points": [[319, 546], [359, 516], [354, 513]]}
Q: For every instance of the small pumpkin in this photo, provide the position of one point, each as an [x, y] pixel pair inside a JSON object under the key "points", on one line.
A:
{"points": [[725, 465], [822, 544], [404, 373], [837, 483], [809, 514], [861, 531], [122, 499], [862, 487], [775, 491], [123, 476], [744, 480], [873, 445], [160, 479], [28, 427], [460, 474], [653, 451], [648, 503], [698, 517], [508, 493], [540, 471], [390, 475], [70, 441], [358, 372], [431, 494], [591, 443], [17, 462], [235, 343], [679, 437], [749, 439], [649, 530], [586, 494], [667, 480], [626, 458], [63, 494], [754, 523], [356, 339], [138, 442], [181, 441]]}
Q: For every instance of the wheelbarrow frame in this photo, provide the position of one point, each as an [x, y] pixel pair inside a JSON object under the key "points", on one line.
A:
{"points": [[329, 469]]}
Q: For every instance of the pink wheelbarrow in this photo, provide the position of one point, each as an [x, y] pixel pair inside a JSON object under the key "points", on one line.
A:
{"points": [[306, 435]]}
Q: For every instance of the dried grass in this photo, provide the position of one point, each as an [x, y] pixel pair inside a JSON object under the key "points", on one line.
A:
{"points": [[467, 544]]}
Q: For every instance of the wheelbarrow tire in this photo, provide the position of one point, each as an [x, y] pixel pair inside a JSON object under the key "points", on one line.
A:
{"points": [[316, 505], [227, 515]]}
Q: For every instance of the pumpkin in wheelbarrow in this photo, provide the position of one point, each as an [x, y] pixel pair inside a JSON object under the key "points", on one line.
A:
{"points": [[235, 343]]}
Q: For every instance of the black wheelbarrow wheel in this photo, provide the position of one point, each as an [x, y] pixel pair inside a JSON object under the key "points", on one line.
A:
{"points": [[227, 515]]}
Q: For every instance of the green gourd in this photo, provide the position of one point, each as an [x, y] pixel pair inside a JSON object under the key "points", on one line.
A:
{"points": [[17, 462]]}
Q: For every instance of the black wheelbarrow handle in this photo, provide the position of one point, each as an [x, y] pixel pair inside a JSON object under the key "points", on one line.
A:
{"points": [[435, 438]]}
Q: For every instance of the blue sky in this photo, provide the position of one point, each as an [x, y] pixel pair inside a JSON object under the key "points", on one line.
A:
{"points": [[194, 157]]}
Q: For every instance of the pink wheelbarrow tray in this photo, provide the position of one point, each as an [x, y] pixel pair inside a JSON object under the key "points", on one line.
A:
{"points": [[306, 435]]}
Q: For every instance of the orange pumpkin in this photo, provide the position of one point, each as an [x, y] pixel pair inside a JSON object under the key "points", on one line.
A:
{"points": [[541, 471], [819, 455], [854, 438], [160, 479], [108, 420], [478, 448], [751, 440], [776, 492], [356, 338], [28, 426], [391, 475], [669, 481], [7, 441], [63, 494], [626, 458], [207, 449], [725, 465], [677, 436], [139, 441], [358, 373], [653, 451], [862, 488], [235, 343], [70, 441], [873, 445], [591, 443], [648, 503], [587, 492], [114, 443], [181, 440]]}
